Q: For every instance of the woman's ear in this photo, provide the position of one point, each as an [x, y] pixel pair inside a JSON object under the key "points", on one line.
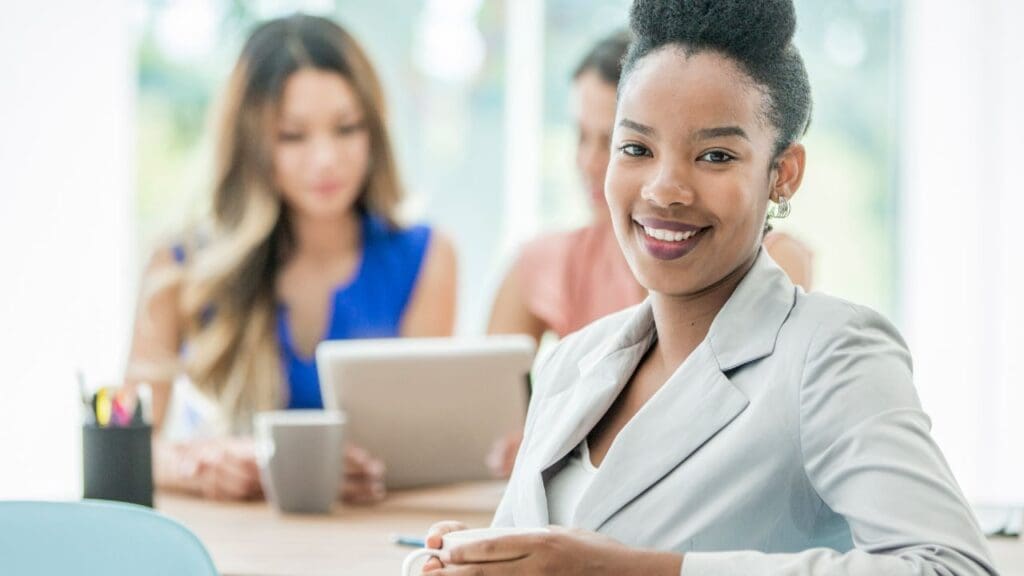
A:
{"points": [[789, 171]]}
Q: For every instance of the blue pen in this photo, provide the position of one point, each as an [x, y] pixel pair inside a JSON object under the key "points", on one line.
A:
{"points": [[410, 541]]}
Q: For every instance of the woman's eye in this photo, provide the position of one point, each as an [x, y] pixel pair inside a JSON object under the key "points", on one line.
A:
{"points": [[290, 136], [348, 129], [717, 157], [634, 150]]}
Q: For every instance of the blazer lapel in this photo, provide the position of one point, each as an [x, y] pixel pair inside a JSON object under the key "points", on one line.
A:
{"points": [[696, 402], [568, 416], [691, 407]]}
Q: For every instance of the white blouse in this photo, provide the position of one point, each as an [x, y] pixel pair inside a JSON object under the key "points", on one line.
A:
{"points": [[565, 489]]}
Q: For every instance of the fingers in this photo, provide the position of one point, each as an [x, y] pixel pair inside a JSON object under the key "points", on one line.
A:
{"points": [[490, 569], [361, 491], [502, 457], [510, 459], [496, 458], [369, 470], [363, 481], [228, 473], [504, 549], [435, 532], [355, 456], [431, 565], [241, 469], [359, 464]]}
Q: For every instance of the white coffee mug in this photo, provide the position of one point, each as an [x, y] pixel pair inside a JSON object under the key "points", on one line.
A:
{"points": [[460, 537]]}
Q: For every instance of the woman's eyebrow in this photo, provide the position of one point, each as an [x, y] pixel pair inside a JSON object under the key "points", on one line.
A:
{"points": [[719, 132], [641, 128]]}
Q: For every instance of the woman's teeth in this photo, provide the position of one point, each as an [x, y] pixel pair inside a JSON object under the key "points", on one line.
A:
{"points": [[669, 235]]}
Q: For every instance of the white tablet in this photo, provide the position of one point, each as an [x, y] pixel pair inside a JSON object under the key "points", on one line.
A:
{"points": [[430, 408]]}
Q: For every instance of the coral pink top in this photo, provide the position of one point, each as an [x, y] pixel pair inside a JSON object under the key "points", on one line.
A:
{"points": [[569, 279]]}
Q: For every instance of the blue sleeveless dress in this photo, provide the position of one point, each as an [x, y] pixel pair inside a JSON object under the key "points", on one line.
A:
{"points": [[370, 305]]}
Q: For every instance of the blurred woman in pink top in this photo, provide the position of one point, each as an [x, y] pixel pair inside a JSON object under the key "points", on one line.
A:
{"points": [[563, 281]]}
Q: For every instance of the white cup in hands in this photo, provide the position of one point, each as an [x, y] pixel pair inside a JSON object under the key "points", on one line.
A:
{"points": [[460, 537], [300, 457]]}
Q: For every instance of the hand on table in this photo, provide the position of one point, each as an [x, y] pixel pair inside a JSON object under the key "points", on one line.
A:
{"points": [[363, 482], [561, 551], [224, 469]]}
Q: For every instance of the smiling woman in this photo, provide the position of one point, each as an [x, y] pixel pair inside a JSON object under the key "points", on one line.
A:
{"points": [[731, 423], [712, 204]]}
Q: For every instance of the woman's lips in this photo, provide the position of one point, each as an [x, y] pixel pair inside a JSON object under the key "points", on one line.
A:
{"points": [[666, 240], [326, 188]]}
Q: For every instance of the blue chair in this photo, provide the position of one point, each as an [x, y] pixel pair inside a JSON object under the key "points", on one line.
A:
{"points": [[93, 537]]}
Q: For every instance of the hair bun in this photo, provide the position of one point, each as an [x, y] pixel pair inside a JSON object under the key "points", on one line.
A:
{"points": [[749, 29]]}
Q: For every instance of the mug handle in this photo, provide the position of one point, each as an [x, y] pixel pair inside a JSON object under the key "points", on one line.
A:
{"points": [[416, 555]]}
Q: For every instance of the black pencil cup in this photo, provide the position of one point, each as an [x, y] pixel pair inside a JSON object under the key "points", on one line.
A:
{"points": [[117, 463]]}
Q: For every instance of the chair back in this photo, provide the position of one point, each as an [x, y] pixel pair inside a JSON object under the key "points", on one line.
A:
{"points": [[96, 538]]}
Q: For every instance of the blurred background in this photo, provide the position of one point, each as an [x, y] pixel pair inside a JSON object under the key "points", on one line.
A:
{"points": [[910, 200]]}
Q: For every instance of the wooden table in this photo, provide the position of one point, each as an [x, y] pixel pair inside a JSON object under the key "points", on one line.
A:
{"points": [[254, 540]]}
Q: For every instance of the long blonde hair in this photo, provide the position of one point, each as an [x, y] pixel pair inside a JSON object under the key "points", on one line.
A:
{"points": [[227, 299]]}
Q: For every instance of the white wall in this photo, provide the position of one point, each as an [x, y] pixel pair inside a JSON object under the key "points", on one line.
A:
{"points": [[67, 84], [963, 267]]}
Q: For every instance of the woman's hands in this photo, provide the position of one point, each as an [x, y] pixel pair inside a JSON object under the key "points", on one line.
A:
{"points": [[221, 469], [227, 469], [363, 481], [433, 540], [561, 551]]}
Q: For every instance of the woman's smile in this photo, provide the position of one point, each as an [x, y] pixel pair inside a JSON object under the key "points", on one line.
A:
{"points": [[667, 239]]}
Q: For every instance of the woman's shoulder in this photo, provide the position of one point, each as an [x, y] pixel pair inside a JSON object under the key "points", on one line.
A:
{"points": [[828, 331], [547, 255], [834, 314], [388, 239], [380, 229], [793, 255]]}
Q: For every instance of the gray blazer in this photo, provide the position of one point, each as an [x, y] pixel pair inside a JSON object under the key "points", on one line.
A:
{"points": [[790, 442]]}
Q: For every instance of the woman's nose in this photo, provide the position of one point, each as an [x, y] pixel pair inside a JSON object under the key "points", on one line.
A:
{"points": [[669, 186], [324, 152]]}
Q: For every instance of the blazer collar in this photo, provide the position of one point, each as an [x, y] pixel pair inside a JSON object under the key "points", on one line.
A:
{"points": [[744, 330], [695, 403], [747, 327], [570, 414], [604, 372]]}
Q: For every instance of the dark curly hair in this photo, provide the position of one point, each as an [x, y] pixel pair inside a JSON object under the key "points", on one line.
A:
{"points": [[756, 34]]}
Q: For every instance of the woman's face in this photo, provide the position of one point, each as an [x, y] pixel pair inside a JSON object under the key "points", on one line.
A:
{"points": [[321, 144], [691, 171], [594, 106]]}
